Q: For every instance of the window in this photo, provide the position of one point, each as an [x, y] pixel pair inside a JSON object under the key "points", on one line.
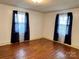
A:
{"points": [[63, 27], [63, 24], [20, 22]]}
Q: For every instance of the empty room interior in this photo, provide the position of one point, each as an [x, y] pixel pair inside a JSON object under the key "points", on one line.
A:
{"points": [[39, 29]]}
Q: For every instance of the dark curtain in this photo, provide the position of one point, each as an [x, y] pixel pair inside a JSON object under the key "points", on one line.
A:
{"points": [[27, 30], [14, 35], [68, 36], [56, 28]]}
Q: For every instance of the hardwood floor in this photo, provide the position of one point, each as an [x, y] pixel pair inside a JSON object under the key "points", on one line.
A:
{"points": [[38, 49]]}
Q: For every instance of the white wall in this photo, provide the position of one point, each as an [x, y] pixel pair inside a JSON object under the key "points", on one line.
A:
{"points": [[35, 19], [50, 23], [41, 25]]}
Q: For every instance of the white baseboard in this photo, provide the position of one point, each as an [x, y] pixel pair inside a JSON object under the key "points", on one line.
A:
{"points": [[73, 46], [7, 43]]}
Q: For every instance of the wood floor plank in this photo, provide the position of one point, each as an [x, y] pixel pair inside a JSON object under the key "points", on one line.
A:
{"points": [[38, 49]]}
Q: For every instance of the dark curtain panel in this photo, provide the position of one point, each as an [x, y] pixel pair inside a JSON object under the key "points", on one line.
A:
{"points": [[14, 35], [56, 28], [27, 30], [68, 36]]}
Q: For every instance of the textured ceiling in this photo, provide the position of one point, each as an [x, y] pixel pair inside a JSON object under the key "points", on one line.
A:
{"points": [[44, 6]]}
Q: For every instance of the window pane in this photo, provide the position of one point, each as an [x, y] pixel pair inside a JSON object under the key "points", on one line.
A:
{"points": [[21, 17], [16, 27], [62, 27], [63, 19], [16, 18], [20, 22], [62, 30], [22, 28]]}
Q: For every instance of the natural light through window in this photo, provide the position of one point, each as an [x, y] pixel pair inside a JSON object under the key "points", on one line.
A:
{"points": [[62, 25], [20, 22]]}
